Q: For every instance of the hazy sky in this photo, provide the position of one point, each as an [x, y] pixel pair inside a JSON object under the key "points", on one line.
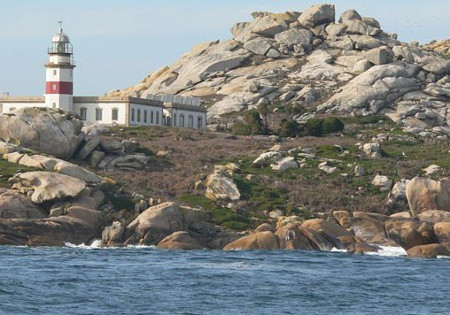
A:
{"points": [[118, 42]]}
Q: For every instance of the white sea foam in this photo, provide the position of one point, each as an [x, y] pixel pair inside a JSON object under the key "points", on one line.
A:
{"points": [[94, 245], [389, 251], [334, 249], [443, 257], [97, 244]]}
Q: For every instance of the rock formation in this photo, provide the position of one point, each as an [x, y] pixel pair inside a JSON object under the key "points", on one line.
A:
{"points": [[359, 69]]}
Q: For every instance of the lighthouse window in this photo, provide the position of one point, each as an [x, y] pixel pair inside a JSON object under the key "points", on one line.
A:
{"points": [[145, 116], [83, 113], [54, 87], [54, 72], [139, 115], [115, 114], [98, 114]]}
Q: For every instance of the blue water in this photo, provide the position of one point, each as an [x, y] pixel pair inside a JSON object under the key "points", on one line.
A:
{"points": [[148, 281]]}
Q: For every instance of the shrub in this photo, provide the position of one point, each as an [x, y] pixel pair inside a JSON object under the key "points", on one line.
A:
{"points": [[252, 124], [332, 124], [242, 129], [289, 128], [314, 127]]}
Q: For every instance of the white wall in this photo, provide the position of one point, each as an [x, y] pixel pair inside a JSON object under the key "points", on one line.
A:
{"points": [[62, 101], [6, 107], [176, 113], [149, 109], [57, 59], [63, 75], [106, 112]]}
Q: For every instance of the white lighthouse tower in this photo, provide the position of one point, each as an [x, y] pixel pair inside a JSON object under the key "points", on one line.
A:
{"points": [[59, 73]]}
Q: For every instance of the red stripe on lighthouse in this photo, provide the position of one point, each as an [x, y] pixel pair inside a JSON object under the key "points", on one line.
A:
{"points": [[54, 87]]}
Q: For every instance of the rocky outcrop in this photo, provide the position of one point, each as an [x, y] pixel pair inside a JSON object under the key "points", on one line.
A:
{"points": [[15, 206], [158, 222], [180, 241], [427, 194], [428, 251], [48, 131], [46, 232], [219, 186], [258, 241], [45, 186]]}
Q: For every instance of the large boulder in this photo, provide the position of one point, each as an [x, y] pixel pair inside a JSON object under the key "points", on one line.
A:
{"points": [[292, 236], [45, 130], [428, 251], [294, 36], [46, 232], [442, 232], [372, 90], [434, 216], [112, 235], [369, 230], [154, 224], [219, 186], [409, 233], [15, 206], [325, 227], [45, 186], [258, 241], [317, 15], [427, 194], [180, 241]]}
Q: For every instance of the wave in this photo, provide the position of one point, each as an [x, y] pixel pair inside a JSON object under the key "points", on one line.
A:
{"points": [[97, 244], [389, 251]]}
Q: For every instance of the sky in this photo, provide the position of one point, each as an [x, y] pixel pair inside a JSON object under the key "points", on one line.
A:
{"points": [[119, 42]]}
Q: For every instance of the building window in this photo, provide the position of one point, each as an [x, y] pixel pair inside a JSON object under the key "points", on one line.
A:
{"points": [[54, 72], [139, 115], [54, 87], [83, 113], [174, 120], [190, 121], [115, 114], [200, 122], [145, 116], [181, 120], [157, 118], [151, 117], [98, 114], [132, 114]]}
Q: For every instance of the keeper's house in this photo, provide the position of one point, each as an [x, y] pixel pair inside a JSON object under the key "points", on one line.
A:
{"points": [[155, 110]]}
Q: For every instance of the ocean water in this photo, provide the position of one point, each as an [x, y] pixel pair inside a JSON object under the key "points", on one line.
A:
{"points": [[142, 280]]}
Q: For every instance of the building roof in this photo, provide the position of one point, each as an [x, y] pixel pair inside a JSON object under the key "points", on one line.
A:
{"points": [[61, 37], [192, 108]]}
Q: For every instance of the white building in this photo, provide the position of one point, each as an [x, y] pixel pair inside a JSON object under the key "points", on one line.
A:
{"points": [[159, 110]]}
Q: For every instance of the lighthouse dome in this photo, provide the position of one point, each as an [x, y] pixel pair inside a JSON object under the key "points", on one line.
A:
{"points": [[61, 37]]}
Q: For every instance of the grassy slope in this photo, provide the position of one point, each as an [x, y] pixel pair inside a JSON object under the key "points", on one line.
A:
{"points": [[304, 191]]}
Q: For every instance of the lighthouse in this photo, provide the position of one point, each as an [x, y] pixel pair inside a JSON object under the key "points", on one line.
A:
{"points": [[59, 73]]}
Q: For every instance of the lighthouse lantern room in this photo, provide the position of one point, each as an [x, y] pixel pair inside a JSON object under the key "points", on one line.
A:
{"points": [[59, 73]]}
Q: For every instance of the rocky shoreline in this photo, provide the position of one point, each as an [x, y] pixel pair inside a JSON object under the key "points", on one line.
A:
{"points": [[56, 175]]}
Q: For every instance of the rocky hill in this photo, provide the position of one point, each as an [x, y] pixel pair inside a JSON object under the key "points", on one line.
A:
{"points": [[316, 64]]}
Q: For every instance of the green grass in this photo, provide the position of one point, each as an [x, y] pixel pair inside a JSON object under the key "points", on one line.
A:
{"points": [[220, 215], [8, 170]]}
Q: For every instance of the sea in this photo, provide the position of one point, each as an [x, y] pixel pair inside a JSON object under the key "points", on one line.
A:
{"points": [[144, 280]]}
